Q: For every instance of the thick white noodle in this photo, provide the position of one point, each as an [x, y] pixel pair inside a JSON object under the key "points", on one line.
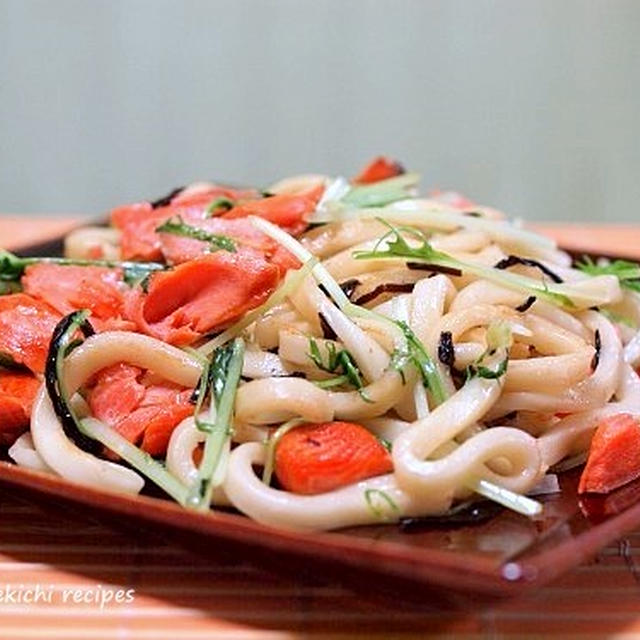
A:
{"points": [[431, 297], [560, 318], [184, 440], [590, 393], [263, 364], [71, 462], [272, 400], [632, 351], [572, 434], [386, 428], [328, 240], [485, 292], [104, 349], [380, 396], [445, 478], [23, 453]]}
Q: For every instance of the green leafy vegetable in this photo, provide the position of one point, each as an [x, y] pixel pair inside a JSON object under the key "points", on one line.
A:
{"points": [[12, 268], [140, 460], [272, 444], [200, 394], [499, 339], [219, 203], [338, 361], [479, 371], [628, 273], [381, 504], [177, 226], [415, 353], [9, 287], [224, 375]]}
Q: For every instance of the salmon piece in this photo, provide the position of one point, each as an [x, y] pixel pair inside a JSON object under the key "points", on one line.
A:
{"points": [[177, 249], [317, 458], [17, 393], [201, 296], [284, 260], [151, 427], [614, 455], [117, 392], [380, 168], [288, 211], [159, 429], [145, 416], [26, 325], [68, 288], [137, 222]]}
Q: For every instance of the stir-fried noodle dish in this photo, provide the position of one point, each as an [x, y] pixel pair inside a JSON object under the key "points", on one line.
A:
{"points": [[325, 353]]}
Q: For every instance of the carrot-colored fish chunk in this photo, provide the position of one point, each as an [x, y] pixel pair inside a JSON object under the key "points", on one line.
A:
{"points": [[144, 415], [17, 393], [201, 295], [138, 221], [68, 288], [380, 168], [317, 458], [614, 455], [288, 211], [26, 325]]}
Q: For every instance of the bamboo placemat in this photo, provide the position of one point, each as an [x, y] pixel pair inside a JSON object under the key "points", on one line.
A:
{"points": [[76, 568]]}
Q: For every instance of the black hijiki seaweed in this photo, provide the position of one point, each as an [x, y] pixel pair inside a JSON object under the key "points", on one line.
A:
{"points": [[327, 331], [165, 201], [597, 343], [526, 305], [446, 352], [385, 287], [473, 514], [59, 403], [512, 260], [349, 287], [435, 268]]}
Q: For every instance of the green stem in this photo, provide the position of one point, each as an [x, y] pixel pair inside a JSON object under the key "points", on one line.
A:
{"points": [[12, 267], [217, 437], [138, 459], [514, 501], [178, 227], [271, 445]]}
